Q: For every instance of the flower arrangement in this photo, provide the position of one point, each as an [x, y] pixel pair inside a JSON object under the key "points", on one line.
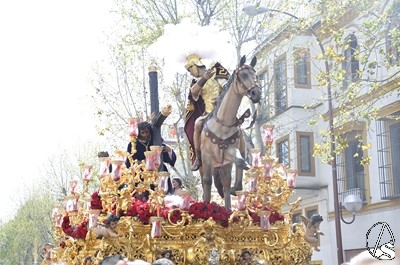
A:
{"points": [[142, 210], [205, 210], [75, 231]]}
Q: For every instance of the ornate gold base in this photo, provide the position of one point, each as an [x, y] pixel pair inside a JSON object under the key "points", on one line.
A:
{"points": [[201, 242]]}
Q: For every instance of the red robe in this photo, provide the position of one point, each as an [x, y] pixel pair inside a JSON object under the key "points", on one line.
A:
{"points": [[194, 109]]}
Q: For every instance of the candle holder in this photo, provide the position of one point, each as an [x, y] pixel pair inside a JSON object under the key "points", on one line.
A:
{"points": [[264, 220], [241, 198], [133, 127], [72, 186], [268, 132], [291, 178], [86, 202], [133, 134], [268, 165], [87, 176], [163, 182], [116, 169], [156, 226], [158, 149], [256, 157], [94, 217], [153, 160], [71, 203], [58, 219], [55, 211], [47, 252], [253, 183], [87, 172], [104, 167]]}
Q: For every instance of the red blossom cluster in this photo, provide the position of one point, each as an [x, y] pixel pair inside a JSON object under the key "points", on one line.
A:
{"points": [[141, 210], [95, 203], [273, 218], [205, 210], [176, 216], [75, 231]]}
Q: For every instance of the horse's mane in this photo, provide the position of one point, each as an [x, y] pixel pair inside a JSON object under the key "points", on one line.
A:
{"points": [[222, 94]]}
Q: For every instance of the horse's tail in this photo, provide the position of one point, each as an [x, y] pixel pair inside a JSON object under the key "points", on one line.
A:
{"points": [[218, 183]]}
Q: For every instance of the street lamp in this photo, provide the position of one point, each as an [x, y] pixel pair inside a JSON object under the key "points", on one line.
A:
{"points": [[353, 204], [253, 10]]}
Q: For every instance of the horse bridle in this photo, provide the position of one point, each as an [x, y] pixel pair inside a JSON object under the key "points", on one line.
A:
{"points": [[248, 89], [247, 113]]}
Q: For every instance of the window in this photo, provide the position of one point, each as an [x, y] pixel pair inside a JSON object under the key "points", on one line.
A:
{"points": [[388, 138], [311, 211], [302, 68], [351, 176], [392, 36], [263, 79], [282, 152], [296, 217], [351, 64], [280, 85], [305, 159]]}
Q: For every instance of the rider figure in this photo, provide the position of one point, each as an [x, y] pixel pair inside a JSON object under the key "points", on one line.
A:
{"points": [[206, 87]]}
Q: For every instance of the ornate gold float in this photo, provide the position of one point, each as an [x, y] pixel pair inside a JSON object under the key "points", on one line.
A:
{"points": [[196, 233]]}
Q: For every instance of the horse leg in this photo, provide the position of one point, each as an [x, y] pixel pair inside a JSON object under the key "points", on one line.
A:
{"points": [[240, 162], [238, 170], [217, 182], [226, 182], [206, 180], [238, 181]]}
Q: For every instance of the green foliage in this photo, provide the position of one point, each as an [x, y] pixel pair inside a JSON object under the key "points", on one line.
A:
{"points": [[32, 222]]}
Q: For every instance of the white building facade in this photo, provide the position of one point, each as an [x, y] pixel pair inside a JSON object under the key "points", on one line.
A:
{"points": [[291, 67]]}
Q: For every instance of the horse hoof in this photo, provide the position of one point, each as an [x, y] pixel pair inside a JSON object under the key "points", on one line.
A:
{"points": [[247, 167], [243, 164], [196, 165]]}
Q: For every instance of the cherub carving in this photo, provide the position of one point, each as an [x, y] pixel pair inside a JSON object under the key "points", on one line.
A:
{"points": [[109, 230], [312, 229]]}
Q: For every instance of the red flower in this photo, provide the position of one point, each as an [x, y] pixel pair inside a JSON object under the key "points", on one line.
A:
{"points": [[141, 210], [95, 203], [176, 216], [274, 217], [205, 210], [76, 231]]}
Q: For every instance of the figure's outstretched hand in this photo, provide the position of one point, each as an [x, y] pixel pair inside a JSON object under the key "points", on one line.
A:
{"points": [[166, 110], [209, 73]]}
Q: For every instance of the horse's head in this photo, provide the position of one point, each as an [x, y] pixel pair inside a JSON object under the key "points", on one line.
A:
{"points": [[247, 79]]}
